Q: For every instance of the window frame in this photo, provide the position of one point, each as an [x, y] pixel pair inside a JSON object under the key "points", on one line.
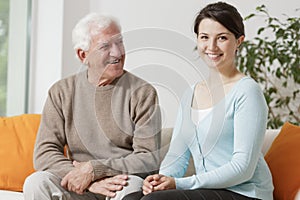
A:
{"points": [[18, 57]]}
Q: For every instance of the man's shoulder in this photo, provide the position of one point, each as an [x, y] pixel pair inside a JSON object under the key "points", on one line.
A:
{"points": [[136, 86], [66, 83], [135, 80]]}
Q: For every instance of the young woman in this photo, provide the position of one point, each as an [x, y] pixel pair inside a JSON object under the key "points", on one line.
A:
{"points": [[221, 124]]}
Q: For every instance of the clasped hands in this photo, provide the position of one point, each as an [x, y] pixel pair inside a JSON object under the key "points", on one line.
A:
{"points": [[80, 179], [158, 182]]}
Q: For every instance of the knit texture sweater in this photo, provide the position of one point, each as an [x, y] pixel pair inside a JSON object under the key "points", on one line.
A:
{"points": [[116, 127], [225, 145]]}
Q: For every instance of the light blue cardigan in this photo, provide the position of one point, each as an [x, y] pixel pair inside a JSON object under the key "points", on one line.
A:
{"points": [[225, 146]]}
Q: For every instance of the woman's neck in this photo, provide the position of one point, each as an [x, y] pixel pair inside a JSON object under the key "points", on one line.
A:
{"points": [[218, 77]]}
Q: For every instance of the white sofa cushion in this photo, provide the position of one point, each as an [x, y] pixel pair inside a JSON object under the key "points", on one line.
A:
{"points": [[9, 195], [269, 138]]}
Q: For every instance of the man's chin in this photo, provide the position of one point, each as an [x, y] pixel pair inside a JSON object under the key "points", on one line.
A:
{"points": [[120, 72], [117, 73], [114, 70]]}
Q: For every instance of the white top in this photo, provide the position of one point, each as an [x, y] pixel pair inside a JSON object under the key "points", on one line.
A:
{"points": [[198, 115]]}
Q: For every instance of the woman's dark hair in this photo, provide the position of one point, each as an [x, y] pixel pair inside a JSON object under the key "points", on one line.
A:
{"points": [[225, 14]]}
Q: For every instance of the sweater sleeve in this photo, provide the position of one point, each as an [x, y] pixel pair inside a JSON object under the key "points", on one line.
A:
{"points": [[177, 158], [50, 141], [144, 159], [249, 126]]}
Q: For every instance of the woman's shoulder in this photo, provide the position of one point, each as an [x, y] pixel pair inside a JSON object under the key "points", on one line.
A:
{"points": [[247, 82], [247, 86]]}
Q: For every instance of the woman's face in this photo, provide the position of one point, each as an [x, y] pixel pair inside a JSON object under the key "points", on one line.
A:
{"points": [[217, 45]]}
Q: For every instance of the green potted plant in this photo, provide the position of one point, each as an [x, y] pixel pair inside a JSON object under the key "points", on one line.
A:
{"points": [[274, 62]]}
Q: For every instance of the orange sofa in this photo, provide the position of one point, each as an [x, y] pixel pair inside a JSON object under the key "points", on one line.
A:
{"points": [[17, 136]]}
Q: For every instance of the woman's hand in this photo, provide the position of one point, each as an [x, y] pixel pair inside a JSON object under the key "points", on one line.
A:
{"points": [[158, 182]]}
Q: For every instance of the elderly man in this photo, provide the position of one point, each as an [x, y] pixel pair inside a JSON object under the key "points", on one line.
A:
{"points": [[107, 119]]}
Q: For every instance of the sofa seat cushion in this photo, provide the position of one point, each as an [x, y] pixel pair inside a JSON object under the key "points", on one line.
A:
{"points": [[10, 195], [283, 159], [17, 137]]}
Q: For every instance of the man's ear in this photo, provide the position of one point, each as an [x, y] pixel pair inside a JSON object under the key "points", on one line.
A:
{"points": [[81, 55]]}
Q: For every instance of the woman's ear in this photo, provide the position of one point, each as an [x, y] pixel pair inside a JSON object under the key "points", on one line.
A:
{"points": [[81, 55], [240, 40]]}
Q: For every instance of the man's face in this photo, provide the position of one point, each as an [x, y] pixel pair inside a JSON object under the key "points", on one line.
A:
{"points": [[106, 55]]}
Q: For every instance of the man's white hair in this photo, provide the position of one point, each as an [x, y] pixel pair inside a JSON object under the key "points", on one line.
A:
{"points": [[89, 26]]}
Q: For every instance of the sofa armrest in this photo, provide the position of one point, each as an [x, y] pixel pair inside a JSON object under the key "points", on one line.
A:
{"points": [[270, 136], [297, 195]]}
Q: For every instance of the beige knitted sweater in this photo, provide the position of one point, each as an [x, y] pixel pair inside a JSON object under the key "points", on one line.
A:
{"points": [[116, 127]]}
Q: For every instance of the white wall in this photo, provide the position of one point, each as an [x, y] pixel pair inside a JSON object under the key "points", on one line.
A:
{"points": [[17, 57], [52, 55], [158, 37], [46, 50]]}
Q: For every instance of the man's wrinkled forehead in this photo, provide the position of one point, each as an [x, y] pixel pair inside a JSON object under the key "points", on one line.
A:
{"points": [[109, 28], [108, 33], [111, 39]]}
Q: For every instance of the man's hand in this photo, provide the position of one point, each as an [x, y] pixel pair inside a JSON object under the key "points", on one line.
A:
{"points": [[79, 178], [109, 186], [158, 182]]}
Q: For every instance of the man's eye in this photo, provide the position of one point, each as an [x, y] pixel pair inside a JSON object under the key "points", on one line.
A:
{"points": [[104, 47], [119, 41]]}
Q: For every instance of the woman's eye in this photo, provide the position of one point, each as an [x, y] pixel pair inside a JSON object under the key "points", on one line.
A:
{"points": [[222, 38], [203, 37]]}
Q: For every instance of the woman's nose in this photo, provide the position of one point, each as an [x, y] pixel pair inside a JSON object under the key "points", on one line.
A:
{"points": [[212, 44]]}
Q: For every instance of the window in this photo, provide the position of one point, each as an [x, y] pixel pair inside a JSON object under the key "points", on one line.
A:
{"points": [[4, 19], [14, 56]]}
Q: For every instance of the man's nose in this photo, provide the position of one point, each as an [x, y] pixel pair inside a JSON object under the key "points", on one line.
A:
{"points": [[116, 50]]}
